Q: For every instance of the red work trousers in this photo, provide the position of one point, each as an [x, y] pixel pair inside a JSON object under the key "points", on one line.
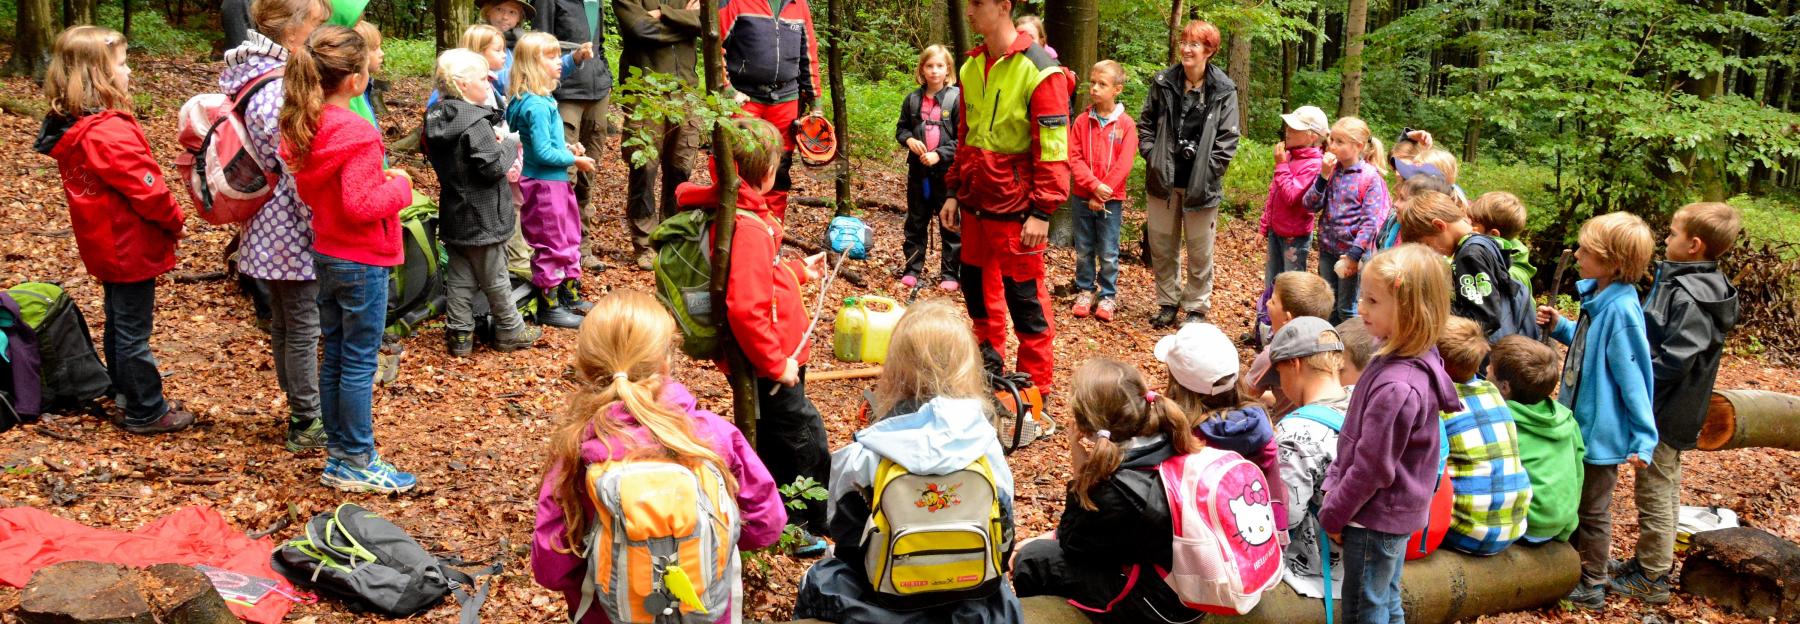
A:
{"points": [[782, 115], [1000, 278]]}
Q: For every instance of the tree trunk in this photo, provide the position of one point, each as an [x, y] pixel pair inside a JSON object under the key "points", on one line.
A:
{"points": [[840, 108], [1237, 66], [1751, 419], [1356, 19], [959, 31], [80, 592], [938, 30], [452, 16], [742, 379], [1746, 570], [76, 12], [1708, 175], [31, 42], [1074, 26], [1472, 136], [1290, 61], [126, 7], [1175, 24]]}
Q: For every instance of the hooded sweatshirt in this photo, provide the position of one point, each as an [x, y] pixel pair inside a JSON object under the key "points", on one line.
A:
{"points": [[1102, 147], [759, 506], [763, 304], [1551, 450], [1247, 432], [356, 207], [540, 127], [1606, 377], [277, 241], [1388, 452], [474, 201], [1285, 213], [125, 219], [1690, 310]]}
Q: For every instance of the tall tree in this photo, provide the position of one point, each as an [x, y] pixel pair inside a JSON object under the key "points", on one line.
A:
{"points": [[1355, 21], [1237, 66], [1175, 9], [840, 109], [31, 42], [1074, 28], [959, 29], [743, 382], [452, 17], [77, 12]]}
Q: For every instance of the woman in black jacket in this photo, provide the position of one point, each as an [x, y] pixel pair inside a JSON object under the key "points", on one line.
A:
{"points": [[1187, 134]]}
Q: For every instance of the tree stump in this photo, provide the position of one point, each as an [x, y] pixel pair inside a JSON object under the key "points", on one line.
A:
{"points": [[1746, 570], [87, 592]]}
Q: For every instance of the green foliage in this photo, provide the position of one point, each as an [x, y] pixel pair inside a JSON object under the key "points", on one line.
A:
{"points": [[409, 57], [801, 490], [152, 34], [657, 98], [1772, 217], [874, 106]]}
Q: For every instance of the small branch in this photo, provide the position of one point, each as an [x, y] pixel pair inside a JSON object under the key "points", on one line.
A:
{"points": [[849, 274], [280, 523], [191, 278], [196, 479], [826, 202], [52, 433]]}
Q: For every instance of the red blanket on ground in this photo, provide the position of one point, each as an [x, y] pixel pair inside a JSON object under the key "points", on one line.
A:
{"points": [[31, 539]]}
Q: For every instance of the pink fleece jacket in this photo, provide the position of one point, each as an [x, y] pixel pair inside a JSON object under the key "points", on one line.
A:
{"points": [[356, 207], [1285, 214]]}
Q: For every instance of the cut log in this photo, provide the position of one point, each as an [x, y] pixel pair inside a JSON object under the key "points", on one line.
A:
{"points": [[87, 592], [1746, 570], [1751, 419]]}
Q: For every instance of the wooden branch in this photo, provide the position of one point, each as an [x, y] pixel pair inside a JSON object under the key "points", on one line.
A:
{"points": [[280, 523], [196, 479], [844, 373], [852, 275], [50, 432], [191, 278], [812, 201]]}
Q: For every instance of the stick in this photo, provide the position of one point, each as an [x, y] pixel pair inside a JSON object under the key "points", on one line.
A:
{"points": [[849, 275], [818, 309], [280, 523], [1562, 264], [197, 479], [52, 433], [845, 373]]}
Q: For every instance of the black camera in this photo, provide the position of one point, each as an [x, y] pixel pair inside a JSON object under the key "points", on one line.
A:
{"points": [[1189, 149]]}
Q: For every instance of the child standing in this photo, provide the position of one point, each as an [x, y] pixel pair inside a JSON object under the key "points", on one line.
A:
{"points": [[1353, 199], [1101, 147], [1380, 485], [927, 129], [1525, 371], [1691, 308], [125, 220], [336, 158], [1286, 222], [1485, 289], [627, 405], [1115, 529], [1501, 215], [549, 217], [471, 158], [1204, 382], [1607, 381], [491, 45], [772, 64], [1309, 358], [1492, 490]]}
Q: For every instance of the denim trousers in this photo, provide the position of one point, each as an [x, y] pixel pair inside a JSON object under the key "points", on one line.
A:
{"points": [[1286, 253], [352, 314], [294, 339], [1372, 561], [1097, 243], [1346, 289], [137, 385]]}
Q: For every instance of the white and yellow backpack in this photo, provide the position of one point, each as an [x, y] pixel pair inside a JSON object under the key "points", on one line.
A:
{"points": [[934, 539], [663, 549]]}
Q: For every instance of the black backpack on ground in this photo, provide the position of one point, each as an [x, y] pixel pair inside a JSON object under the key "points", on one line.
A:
{"points": [[363, 560], [71, 370]]}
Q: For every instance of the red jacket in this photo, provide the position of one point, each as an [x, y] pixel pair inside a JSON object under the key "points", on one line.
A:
{"points": [[763, 303], [125, 219], [771, 57], [998, 183], [1102, 153], [356, 207]]}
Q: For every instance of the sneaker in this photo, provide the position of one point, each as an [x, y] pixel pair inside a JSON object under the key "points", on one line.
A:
{"points": [[306, 436], [1587, 597], [1165, 317], [525, 338], [811, 546], [909, 281], [173, 420], [1084, 303], [646, 261], [380, 477], [459, 343], [1635, 583], [949, 285], [1194, 316], [1106, 309]]}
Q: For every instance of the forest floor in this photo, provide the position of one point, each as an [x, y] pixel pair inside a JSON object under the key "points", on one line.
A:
{"points": [[475, 429]]}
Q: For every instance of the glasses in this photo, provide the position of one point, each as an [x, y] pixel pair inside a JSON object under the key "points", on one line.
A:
{"points": [[1193, 45]]}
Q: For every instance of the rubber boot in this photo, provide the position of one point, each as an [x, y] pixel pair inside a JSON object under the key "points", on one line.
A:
{"points": [[572, 300], [551, 311]]}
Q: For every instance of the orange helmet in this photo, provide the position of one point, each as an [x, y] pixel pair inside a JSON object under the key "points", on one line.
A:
{"points": [[816, 140]]}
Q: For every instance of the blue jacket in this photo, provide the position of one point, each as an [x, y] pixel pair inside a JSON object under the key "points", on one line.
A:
{"points": [[1606, 377], [540, 128]]}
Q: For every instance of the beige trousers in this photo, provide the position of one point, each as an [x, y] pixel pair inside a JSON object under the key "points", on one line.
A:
{"points": [[1170, 229]]}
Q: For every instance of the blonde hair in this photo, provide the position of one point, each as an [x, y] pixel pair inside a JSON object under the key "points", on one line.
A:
{"points": [[1325, 362], [1111, 67], [1622, 241], [331, 55], [479, 37], [461, 63], [1112, 395], [1303, 293], [1499, 211], [273, 18], [932, 354], [530, 73], [370, 34], [623, 348], [759, 153], [1444, 161], [1373, 154], [1418, 280], [1357, 344], [1718, 225], [1464, 345], [1199, 408], [935, 51], [1036, 25], [80, 79], [1419, 216]]}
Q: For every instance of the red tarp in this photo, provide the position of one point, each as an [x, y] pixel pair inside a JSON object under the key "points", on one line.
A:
{"points": [[31, 539]]}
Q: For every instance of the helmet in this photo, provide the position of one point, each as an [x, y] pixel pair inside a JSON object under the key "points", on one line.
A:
{"points": [[816, 140]]}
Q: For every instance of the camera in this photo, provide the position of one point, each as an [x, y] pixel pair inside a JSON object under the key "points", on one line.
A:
{"points": [[1189, 149]]}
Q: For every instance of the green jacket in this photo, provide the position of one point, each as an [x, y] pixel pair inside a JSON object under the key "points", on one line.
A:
{"points": [[1550, 447], [664, 44], [1520, 266], [347, 13]]}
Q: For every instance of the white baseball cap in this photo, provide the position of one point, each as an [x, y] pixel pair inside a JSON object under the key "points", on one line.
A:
{"points": [[1308, 118], [1200, 358]]}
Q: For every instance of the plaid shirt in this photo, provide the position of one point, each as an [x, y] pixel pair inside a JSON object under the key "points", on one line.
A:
{"points": [[1493, 492]]}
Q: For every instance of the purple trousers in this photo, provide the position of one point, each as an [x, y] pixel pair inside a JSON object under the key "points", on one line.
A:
{"points": [[551, 224]]}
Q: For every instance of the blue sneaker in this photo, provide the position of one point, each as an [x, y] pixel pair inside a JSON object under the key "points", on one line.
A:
{"points": [[380, 477], [811, 546]]}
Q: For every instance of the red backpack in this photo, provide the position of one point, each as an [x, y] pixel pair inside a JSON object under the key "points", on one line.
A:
{"points": [[1443, 498], [221, 170]]}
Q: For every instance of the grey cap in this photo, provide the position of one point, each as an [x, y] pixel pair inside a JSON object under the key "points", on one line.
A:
{"points": [[1304, 336]]}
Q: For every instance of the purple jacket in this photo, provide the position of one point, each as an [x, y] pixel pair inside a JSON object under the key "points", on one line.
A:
{"points": [[1351, 206], [23, 367], [758, 505], [278, 240], [1387, 454]]}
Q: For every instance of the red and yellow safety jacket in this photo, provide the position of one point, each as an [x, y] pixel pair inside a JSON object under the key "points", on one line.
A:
{"points": [[1012, 155]]}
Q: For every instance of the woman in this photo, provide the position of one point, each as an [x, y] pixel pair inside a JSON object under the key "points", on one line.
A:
{"points": [[1187, 134]]}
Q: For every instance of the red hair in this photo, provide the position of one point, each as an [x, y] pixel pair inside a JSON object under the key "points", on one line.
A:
{"points": [[1203, 32]]}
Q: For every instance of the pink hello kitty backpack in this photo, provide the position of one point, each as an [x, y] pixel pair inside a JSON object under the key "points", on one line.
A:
{"points": [[1227, 551]]}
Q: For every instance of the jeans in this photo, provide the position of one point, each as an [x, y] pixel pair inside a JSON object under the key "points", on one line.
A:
{"points": [[352, 314], [1658, 494], [480, 269], [1372, 561], [1346, 289], [647, 205], [1286, 253], [1097, 241], [294, 338], [1171, 228], [790, 436], [137, 385], [1593, 537]]}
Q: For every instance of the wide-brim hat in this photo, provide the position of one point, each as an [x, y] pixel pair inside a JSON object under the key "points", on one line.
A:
{"points": [[530, 12]]}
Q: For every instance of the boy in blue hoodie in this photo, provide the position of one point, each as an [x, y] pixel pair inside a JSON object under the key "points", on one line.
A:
{"points": [[1607, 381]]}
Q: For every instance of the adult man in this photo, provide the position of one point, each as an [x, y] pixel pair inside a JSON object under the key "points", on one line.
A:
{"points": [[581, 96], [1011, 172], [659, 36], [772, 65]]}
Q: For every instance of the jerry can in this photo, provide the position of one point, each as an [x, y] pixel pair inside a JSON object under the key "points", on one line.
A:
{"points": [[863, 327]]}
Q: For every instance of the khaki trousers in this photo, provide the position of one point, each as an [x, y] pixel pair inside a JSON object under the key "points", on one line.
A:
{"points": [[1170, 229]]}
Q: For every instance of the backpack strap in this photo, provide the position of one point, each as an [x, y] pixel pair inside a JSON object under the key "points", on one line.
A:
{"points": [[1324, 564], [471, 604], [1319, 414]]}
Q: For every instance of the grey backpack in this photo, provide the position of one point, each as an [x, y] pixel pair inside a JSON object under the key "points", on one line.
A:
{"points": [[370, 564]]}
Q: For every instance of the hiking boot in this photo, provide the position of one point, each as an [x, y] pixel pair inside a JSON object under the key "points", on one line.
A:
{"points": [[1635, 583], [173, 420], [305, 436], [1165, 317], [552, 313], [459, 343], [646, 260], [1194, 316], [572, 300], [1106, 309], [380, 477], [1586, 597], [1084, 303], [810, 546], [525, 338]]}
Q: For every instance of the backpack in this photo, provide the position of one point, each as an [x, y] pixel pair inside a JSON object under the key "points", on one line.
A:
{"points": [[223, 174], [20, 384], [663, 547], [1443, 497], [683, 268], [71, 371], [1226, 549], [934, 539], [523, 297], [416, 288], [352, 555]]}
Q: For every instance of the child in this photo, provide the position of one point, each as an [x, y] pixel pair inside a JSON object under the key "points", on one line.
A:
{"points": [[1309, 358], [1293, 295], [549, 217], [125, 220], [772, 66], [932, 389], [364, 105], [1115, 530], [768, 320], [336, 158], [1380, 484], [1286, 223], [1445, 164], [1353, 199], [475, 203], [1101, 147], [506, 17], [1501, 215], [1485, 289], [1357, 350], [1493, 493], [1607, 381], [1690, 310], [627, 405], [1204, 383], [491, 45], [1034, 26], [927, 129], [1526, 371]]}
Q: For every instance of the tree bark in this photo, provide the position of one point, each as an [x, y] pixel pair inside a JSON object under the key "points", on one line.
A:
{"points": [[1751, 419], [840, 108], [1708, 175], [1175, 24], [452, 16], [126, 8], [76, 12], [1747, 570], [1074, 26], [1290, 62], [31, 42], [1355, 21], [959, 30], [1237, 66], [743, 380], [1472, 136]]}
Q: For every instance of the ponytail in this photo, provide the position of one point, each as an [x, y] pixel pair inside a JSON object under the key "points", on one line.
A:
{"points": [[1112, 403], [1376, 155], [330, 56]]}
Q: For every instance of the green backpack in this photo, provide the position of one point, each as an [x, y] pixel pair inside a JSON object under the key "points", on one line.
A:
{"points": [[683, 246], [72, 372], [416, 288]]}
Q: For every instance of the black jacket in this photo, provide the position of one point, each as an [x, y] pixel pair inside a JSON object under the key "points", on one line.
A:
{"points": [[567, 19], [1690, 309], [912, 126], [1159, 127], [665, 44], [1131, 524], [474, 202], [1485, 291]]}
